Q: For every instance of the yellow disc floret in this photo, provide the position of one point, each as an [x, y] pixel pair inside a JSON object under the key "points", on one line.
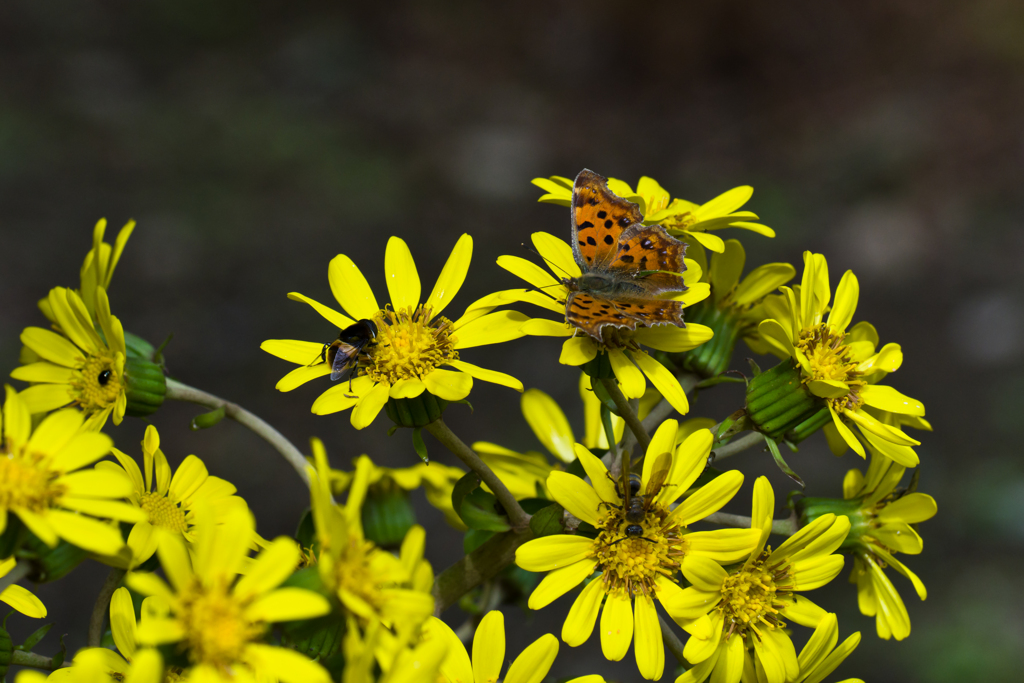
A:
{"points": [[750, 597], [97, 384], [215, 625], [830, 359], [409, 345], [27, 483], [633, 563], [163, 512]]}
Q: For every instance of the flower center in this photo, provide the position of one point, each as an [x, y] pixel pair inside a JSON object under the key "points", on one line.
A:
{"points": [[27, 483], [631, 561], [680, 221], [830, 359], [750, 597], [215, 626], [96, 385], [163, 512], [409, 345]]}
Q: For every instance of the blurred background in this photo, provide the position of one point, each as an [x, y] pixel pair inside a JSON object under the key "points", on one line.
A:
{"points": [[253, 141]]}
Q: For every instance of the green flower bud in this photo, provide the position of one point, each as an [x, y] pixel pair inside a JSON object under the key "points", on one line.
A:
{"points": [[599, 367], [713, 356], [6, 649], [146, 385], [415, 412], [810, 509], [781, 407], [387, 514]]}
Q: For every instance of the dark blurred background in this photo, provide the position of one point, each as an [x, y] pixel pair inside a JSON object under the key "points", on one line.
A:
{"points": [[253, 141]]}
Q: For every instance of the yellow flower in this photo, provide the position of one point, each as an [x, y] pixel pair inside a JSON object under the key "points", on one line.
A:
{"points": [[413, 340], [532, 664], [628, 361], [633, 570], [725, 612], [735, 307], [820, 656], [77, 366], [678, 216], [20, 598], [169, 501], [220, 619], [42, 481], [882, 528], [134, 663], [401, 660], [843, 367], [373, 585]]}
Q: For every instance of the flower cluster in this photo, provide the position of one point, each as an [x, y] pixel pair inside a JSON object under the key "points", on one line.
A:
{"points": [[620, 519]]}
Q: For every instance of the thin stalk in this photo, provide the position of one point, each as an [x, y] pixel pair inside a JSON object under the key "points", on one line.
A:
{"points": [[17, 573], [672, 642], [19, 658], [482, 564], [99, 610], [627, 413], [781, 527], [520, 520], [183, 392], [737, 446]]}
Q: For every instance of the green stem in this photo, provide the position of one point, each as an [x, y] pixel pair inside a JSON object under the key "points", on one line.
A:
{"points": [[672, 642], [520, 520], [183, 392], [17, 573], [734, 447], [482, 564], [19, 658], [99, 610], [781, 527], [627, 413]]}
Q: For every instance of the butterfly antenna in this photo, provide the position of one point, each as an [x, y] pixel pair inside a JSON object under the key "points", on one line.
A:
{"points": [[550, 264]]}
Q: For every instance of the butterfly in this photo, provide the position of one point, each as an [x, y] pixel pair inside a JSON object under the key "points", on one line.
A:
{"points": [[627, 267]]}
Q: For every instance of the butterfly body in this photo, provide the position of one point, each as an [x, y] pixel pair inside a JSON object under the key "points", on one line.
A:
{"points": [[627, 268]]}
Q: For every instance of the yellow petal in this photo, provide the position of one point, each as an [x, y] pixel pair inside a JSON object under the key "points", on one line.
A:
{"points": [[649, 650], [407, 388], [577, 351], [911, 508], [343, 396], [533, 663], [549, 424], [539, 327], [269, 570], [709, 498], [616, 626], [557, 254], [98, 483], [888, 359], [339, 320], [576, 496], [828, 388], [724, 545], [22, 600], [493, 328], [122, 622], [726, 268], [42, 398], [776, 336], [283, 664], [551, 552], [57, 430], [456, 665], [708, 241], [287, 604], [350, 288], [889, 433], [452, 276], [489, 647], [630, 379], [762, 510], [451, 385], [762, 281], [43, 371], [663, 380], [492, 376], [559, 582], [402, 279], [85, 532], [370, 405], [888, 399], [804, 612], [52, 347], [299, 376], [529, 271], [294, 351], [703, 573], [725, 203], [844, 431], [674, 339], [845, 303], [579, 623]]}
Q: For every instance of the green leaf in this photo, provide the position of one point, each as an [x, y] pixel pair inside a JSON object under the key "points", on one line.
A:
{"points": [[774, 448], [417, 443], [547, 521], [58, 659], [34, 638], [306, 533], [476, 507], [754, 367]]}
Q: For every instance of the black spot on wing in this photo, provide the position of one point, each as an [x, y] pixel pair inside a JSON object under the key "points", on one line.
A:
{"points": [[624, 222], [608, 239], [608, 224], [584, 225], [591, 241], [626, 258], [602, 214]]}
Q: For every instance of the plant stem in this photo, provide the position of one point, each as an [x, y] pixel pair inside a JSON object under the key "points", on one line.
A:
{"points": [[516, 515], [737, 446], [627, 413], [183, 392], [480, 565], [672, 642], [18, 572], [781, 527], [19, 658], [99, 610]]}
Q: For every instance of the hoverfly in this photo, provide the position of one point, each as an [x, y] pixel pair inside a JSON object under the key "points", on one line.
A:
{"points": [[343, 353], [634, 504]]}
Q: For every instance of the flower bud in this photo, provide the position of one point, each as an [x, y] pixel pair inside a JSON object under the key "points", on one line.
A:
{"points": [[781, 406], [713, 356], [810, 509], [387, 514], [146, 384], [599, 367], [415, 412]]}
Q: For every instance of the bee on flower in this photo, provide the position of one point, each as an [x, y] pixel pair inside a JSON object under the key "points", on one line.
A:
{"points": [[678, 216], [415, 350], [840, 368], [735, 617], [636, 557]]}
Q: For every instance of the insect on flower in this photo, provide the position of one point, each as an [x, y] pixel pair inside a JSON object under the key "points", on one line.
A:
{"points": [[343, 353], [635, 505]]}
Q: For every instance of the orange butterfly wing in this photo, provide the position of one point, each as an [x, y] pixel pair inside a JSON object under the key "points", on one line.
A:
{"points": [[599, 218], [591, 312]]}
